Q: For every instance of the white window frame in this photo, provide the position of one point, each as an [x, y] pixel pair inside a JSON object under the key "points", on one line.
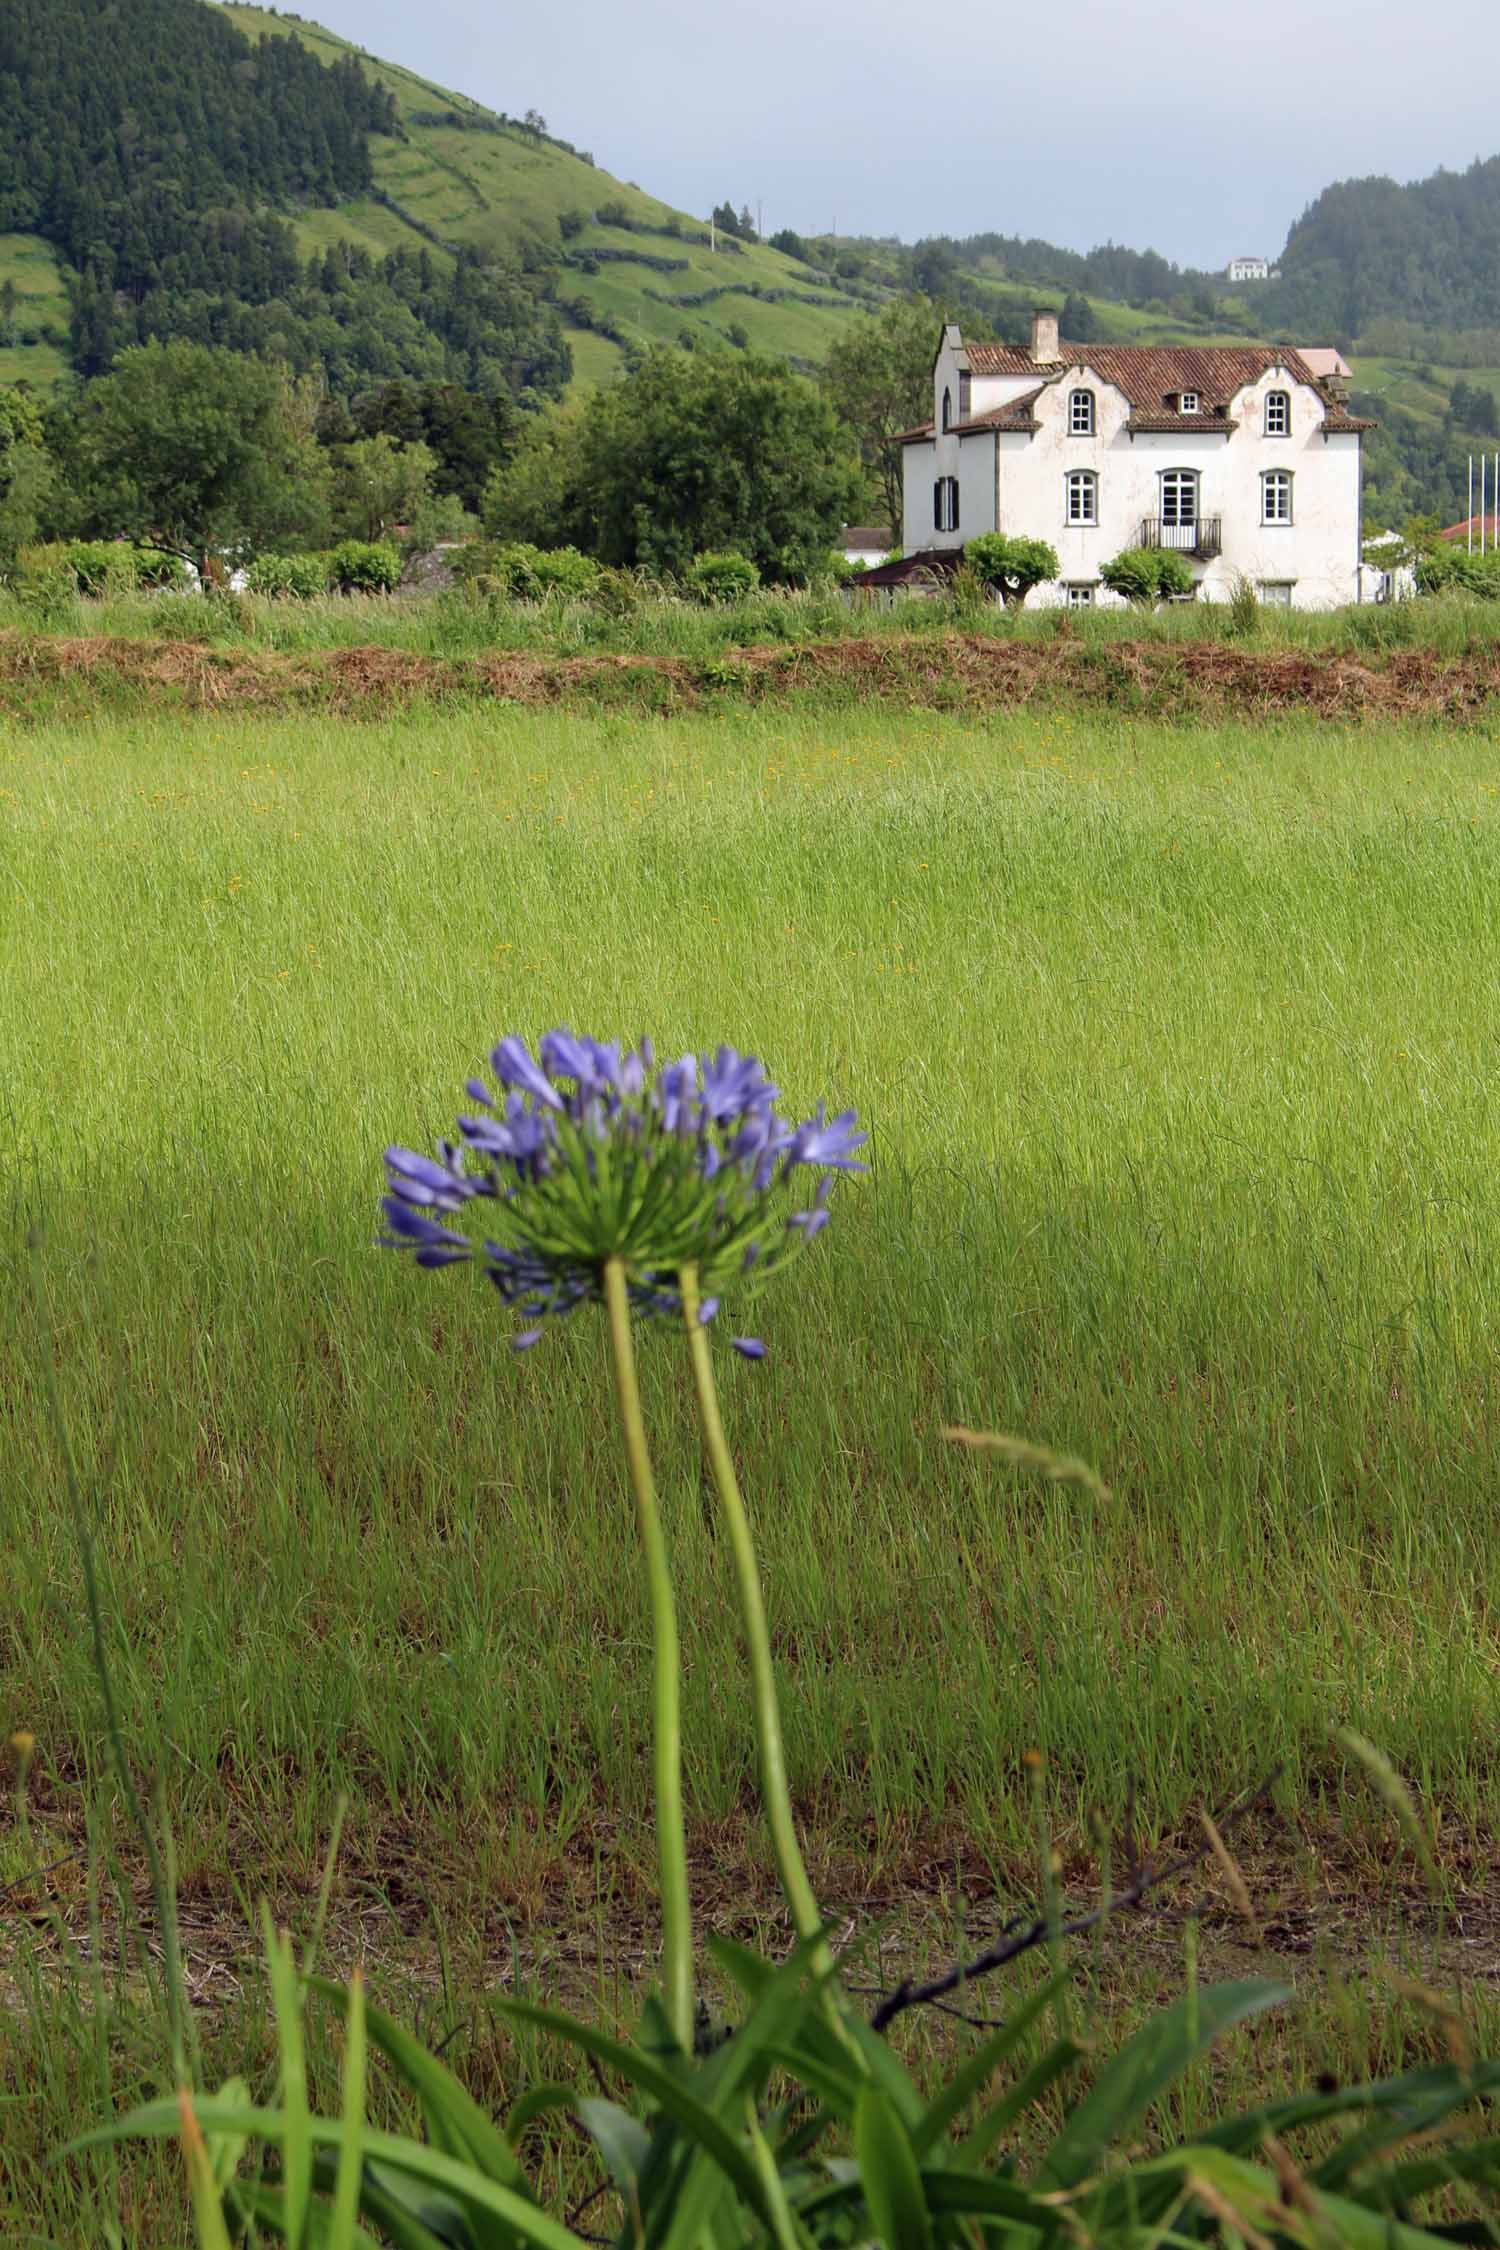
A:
{"points": [[1182, 482], [1081, 418], [945, 504], [1278, 415], [1274, 593], [1188, 403], [1278, 481], [1081, 593], [1081, 500]]}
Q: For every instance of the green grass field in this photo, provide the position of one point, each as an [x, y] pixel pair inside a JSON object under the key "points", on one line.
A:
{"points": [[1178, 1050], [1178, 1053]]}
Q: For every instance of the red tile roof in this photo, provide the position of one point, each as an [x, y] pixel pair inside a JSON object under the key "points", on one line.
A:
{"points": [[1486, 526], [1150, 376]]}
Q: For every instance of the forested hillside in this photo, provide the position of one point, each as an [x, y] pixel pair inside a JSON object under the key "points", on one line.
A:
{"points": [[163, 154], [1371, 249]]}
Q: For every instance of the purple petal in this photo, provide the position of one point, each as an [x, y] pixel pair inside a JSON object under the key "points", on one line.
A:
{"points": [[477, 1090], [830, 1142], [434, 1242], [526, 1339], [749, 1347], [514, 1067], [706, 1311]]}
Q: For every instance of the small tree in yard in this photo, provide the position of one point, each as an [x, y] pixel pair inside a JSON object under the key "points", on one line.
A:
{"points": [[194, 449], [1011, 566], [1147, 574]]}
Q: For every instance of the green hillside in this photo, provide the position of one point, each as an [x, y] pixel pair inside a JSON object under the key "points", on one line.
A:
{"points": [[33, 340], [465, 175]]}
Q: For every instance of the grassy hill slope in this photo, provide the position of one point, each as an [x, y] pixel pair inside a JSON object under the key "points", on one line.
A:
{"points": [[467, 175], [40, 283]]}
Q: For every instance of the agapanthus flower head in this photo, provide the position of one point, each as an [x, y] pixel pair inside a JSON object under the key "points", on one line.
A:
{"points": [[590, 1152]]}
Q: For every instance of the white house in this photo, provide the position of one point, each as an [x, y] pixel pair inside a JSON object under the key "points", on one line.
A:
{"points": [[1249, 269], [1240, 457]]}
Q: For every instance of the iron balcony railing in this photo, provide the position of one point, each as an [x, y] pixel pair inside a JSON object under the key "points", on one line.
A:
{"points": [[1202, 537]]}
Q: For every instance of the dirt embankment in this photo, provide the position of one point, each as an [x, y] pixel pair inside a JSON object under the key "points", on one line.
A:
{"points": [[1163, 680]]}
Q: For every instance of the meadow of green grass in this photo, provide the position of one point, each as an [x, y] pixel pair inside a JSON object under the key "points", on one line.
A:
{"points": [[1178, 1054], [1177, 1048]]}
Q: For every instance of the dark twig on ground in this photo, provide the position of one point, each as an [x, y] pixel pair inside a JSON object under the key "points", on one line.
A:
{"points": [[1141, 1879]]}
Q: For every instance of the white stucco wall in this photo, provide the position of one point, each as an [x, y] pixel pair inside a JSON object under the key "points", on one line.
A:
{"points": [[1317, 553]]}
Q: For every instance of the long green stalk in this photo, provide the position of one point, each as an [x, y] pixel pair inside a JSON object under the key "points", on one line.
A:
{"points": [[775, 1793], [671, 1839]]}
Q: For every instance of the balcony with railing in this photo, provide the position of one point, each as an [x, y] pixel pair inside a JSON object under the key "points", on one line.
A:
{"points": [[1201, 537]]}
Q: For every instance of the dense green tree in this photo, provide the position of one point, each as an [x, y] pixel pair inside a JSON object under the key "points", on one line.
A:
{"points": [[529, 498], [878, 378], [933, 266], [469, 435], [27, 472], [378, 484], [791, 245], [708, 450], [1472, 406], [1078, 322], [198, 451]]}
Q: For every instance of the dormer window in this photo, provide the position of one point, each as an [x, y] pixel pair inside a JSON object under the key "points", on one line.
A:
{"points": [[1278, 414], [1188, 403], [947, 410], [1081, 414]]}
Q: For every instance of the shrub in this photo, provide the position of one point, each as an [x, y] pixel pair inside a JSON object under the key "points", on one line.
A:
{"points": [[1012, 566], [721, 577], [101, 566], [288, 577], [1147, 574], [517, 571], [1445, 569], [97, 568], [364, 566]]}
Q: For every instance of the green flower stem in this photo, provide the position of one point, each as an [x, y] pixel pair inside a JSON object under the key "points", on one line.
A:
{"points": [[773, 1782], [671, 1841]]}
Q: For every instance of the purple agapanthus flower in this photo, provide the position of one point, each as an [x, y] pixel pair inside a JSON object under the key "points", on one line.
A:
{"points": [[591, 1153]]}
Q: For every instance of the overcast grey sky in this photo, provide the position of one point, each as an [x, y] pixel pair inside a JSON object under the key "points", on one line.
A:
{"points": [[1200, 131]]}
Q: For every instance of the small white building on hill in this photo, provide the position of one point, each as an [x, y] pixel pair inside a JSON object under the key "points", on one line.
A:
{"points": [[1242, 457]]}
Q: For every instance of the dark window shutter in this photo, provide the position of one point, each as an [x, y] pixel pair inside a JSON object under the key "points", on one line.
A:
{"points": [[953, 487], [937, 505]]}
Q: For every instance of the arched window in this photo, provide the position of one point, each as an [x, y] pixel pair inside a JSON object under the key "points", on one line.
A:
{"points": [[1276, 496], [947, 410], [1081, 414], [1278, 422], [1179, 507], [1082, 496]]}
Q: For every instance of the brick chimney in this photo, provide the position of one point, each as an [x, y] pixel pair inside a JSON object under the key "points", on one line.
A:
{"points": [[1045, 349]]}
